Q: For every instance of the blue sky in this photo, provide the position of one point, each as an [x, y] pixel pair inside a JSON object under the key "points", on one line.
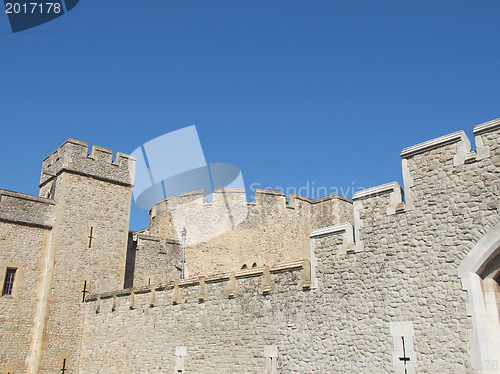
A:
{"points": [[293, 92]]}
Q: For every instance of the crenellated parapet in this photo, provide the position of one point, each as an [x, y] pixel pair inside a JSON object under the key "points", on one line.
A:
{"points": [[263, 280], [439, 162], [73, 157], [274, 228], [231, 233], [229, 208], [437, 174], [444, 158]]}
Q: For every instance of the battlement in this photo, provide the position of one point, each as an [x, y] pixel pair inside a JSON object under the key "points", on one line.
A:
{"points": [[230, 208], [26, 209], [271, 230], [433, 156], [73, 157], [463, 152], [264, 280], [237, 196]]}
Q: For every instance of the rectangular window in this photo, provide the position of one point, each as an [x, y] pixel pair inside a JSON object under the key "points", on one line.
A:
{"points": [[8, 284]]}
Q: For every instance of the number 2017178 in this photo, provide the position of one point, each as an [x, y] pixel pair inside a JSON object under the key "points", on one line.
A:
{"points": [[16, 8]]}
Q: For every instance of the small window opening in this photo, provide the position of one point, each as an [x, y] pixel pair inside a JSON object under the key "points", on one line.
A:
{"points": [[52, 191], [64, 368], [244, 266], [84, 291], [254, 265], [91, 237], [8, 285]]}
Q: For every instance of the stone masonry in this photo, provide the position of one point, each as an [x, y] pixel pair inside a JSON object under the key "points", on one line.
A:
{"points": [[394, 280]]}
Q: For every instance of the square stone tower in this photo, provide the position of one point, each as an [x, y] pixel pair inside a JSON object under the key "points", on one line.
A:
{"points": [[87, 247]]}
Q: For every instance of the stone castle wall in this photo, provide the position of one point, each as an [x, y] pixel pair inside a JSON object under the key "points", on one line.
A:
{"points": [[268, 232], [25, 223], [402, 267], [151, 260], [47, 238], [92, 197], [333, 276]]}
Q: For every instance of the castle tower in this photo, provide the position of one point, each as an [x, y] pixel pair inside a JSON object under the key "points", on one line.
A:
{"points": [[231, 234], [87, 246]]}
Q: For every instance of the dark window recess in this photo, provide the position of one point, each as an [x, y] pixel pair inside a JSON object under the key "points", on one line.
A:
{"points": [[254, 265], [244, 266], [91, 237], [404, 358], [64, 368], [52, 190], [8, 284], [84, 291]]}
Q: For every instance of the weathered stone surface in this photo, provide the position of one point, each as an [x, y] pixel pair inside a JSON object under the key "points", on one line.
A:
{"points": [[380, 263]]}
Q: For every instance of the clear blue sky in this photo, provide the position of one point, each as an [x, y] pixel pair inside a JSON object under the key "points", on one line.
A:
{"points": [[293, 92]]}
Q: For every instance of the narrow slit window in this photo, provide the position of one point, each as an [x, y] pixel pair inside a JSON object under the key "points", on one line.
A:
{"points": [[91, 237], [84, 290], [52, 190], [64, 368], [8, 285]]}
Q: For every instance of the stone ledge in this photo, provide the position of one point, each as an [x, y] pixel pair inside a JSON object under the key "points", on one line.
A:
{"points": [[191, 193], [378, 190], [148, 237], [434, 143], [330, 230], [24, 209], [23, 196], [237, 199], [263, 191], [487, 127]]}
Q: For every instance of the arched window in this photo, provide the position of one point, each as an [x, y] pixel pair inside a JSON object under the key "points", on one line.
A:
{"points": [[480, 275]]}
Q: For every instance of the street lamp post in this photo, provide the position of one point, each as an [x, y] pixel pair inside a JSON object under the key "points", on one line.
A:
{"points": [[183, 260]]}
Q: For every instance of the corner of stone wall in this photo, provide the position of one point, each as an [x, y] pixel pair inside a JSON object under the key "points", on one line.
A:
{"points": [[347, 245], [392, 201], [483, 142], [462, 154]]}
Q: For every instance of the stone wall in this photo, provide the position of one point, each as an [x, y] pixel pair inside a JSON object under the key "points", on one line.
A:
{"points": [[89, 242], [336, 282], [73, 238], [231, 233], [151, 260], [25, 223], [224, 332], [22, 247], [26, 209], [400, 269]]}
